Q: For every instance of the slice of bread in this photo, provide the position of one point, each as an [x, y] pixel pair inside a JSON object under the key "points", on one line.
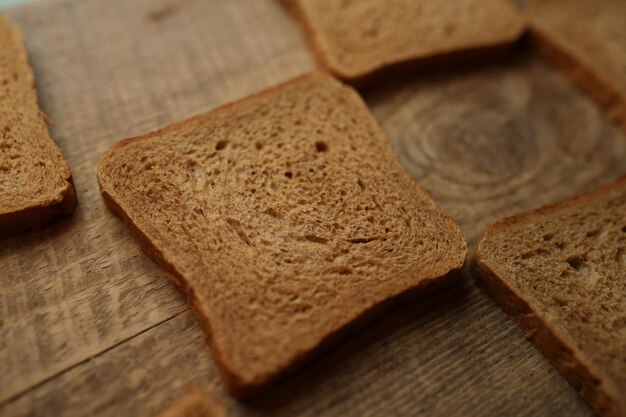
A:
{"points": [[561, 272], [285, 217], [196, 402], [356, 40], [586, 39], [35, 181]]}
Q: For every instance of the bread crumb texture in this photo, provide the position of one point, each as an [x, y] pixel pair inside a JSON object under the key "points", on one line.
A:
{"points": [[285, 216], [357, 37], [568, 263], [34, 176]]}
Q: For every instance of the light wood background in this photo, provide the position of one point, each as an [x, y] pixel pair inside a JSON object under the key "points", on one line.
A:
{"points": [[89, 325]]}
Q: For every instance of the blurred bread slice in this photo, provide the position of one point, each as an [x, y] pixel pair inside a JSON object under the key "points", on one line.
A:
{"points": [[586, 40], [35, 181], [357, 39], [196, 402]]}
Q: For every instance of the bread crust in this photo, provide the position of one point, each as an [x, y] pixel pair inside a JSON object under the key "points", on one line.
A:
{"points": [[550, 208], [177, 125], [440, 60], [38, 216], [237, 386], [588, 79], [572, 364]]}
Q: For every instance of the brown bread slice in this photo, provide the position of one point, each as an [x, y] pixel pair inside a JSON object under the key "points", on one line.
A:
{"points": [[561, 272], [358, 39], [35, 181], [196, 402], [586, 39], [285, 217]]}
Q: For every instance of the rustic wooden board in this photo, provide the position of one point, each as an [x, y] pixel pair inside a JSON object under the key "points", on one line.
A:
{"points": [[88, 324]]}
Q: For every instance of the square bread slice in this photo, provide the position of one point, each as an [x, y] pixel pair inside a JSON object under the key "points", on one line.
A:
{"points": [[561, 272], [35, 181], [197, 402], [285, 218], [357, 39], [586, 40]]}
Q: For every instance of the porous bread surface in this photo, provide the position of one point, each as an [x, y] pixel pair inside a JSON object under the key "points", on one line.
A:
{"points": [[357, 37], [285, 215], [586, 40], [196, 402], [568, 263], [33, 173]]}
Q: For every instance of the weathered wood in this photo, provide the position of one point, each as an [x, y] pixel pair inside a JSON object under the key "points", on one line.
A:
{"points": [[88, 324], [447, 356]]}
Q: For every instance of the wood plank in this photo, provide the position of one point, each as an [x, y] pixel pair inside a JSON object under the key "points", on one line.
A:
{"points": [[89, 325], [454, 354]]}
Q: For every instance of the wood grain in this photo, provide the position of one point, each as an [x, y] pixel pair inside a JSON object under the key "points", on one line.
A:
{"points": [[496, 140], [88, 324]]}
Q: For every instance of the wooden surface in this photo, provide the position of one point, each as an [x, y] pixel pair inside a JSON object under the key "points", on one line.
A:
{"points": [[88, 324]]}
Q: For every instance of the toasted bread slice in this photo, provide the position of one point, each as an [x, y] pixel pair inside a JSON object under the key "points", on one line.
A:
{"points": [[356, 40], [285, 217], [35, 181], [561, 272], [196, 402], [586, 39]]}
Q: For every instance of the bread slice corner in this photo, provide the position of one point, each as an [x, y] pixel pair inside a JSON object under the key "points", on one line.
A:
{"points": [[197, 402], [559, 272], [585, 40]]}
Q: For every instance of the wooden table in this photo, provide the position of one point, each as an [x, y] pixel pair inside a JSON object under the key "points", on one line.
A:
{"points": [[89, 325]]}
